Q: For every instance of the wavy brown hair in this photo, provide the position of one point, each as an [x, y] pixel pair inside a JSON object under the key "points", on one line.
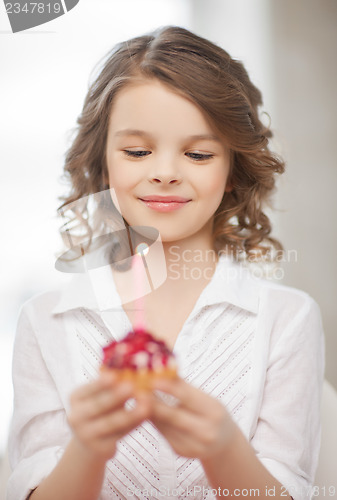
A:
{"points": [[220, 86]]}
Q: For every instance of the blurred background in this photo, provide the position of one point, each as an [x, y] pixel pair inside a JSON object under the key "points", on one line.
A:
{"points": [[289, 48]]}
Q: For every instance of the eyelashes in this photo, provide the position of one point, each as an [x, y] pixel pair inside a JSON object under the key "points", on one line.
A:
{"points": [[199, 156], [136, 154], [144, 153]]}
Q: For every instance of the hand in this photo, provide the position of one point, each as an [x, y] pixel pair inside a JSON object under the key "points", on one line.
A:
{"points": [[98, 417], [198, 426]]}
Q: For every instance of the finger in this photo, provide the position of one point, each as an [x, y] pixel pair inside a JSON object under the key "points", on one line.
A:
{"points": [[173, 435], [121, 421], [107, 400], [177, 418], [189, 397], [183, 444], [86, 391], [192, 434]]}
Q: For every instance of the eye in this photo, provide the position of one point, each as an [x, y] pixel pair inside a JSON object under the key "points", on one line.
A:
{"points": [[200, 156], [135, 153]]}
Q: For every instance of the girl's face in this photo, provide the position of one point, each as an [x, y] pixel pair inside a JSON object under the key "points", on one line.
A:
{"points": [[167, 167]]}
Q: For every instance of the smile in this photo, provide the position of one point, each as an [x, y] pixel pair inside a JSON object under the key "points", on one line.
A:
{"points": [[164, 203]]}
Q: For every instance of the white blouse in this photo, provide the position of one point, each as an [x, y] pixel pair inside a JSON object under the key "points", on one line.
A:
{"points": [[255, 345]]}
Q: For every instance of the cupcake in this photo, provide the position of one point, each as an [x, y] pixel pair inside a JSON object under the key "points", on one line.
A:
{"points": [[139, 358]]}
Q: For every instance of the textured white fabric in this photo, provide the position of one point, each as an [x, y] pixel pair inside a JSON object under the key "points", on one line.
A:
{"points": [[255, 345]]}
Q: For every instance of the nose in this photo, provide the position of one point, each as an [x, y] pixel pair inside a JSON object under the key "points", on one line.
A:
{"points": [[164, 180], [164, 172]]}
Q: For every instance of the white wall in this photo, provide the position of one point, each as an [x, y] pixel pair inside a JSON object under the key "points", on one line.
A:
{"points": [[304, 41]]}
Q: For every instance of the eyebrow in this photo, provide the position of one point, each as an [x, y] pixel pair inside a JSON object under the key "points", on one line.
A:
{"points": [[142, 133]]}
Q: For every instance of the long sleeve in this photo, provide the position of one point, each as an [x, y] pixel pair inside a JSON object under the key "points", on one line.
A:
{"points": [[287, 437], [39, 429]]}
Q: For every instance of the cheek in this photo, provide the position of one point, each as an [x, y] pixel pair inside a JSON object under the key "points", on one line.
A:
{"points": [[214, 185], [120, 175]]}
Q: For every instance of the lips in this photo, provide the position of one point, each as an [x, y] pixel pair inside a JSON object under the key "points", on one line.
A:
{"points": [[164, 203], [165, 199]]}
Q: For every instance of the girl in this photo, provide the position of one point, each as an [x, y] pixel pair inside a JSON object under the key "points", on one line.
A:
{"points": [[171, 136]]}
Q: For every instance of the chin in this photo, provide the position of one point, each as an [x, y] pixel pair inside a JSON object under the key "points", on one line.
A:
{"points": [[168, 231], [174, 236]]}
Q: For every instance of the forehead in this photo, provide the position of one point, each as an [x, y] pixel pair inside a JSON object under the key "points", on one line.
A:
{"points": [[155, 106]]}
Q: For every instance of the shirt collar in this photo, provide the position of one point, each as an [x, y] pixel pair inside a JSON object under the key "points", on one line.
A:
{"points": [[234, 284], [231, 283], [80, 292]]}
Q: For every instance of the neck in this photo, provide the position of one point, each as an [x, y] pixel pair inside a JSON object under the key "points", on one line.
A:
{"points": [[190, 259]]}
